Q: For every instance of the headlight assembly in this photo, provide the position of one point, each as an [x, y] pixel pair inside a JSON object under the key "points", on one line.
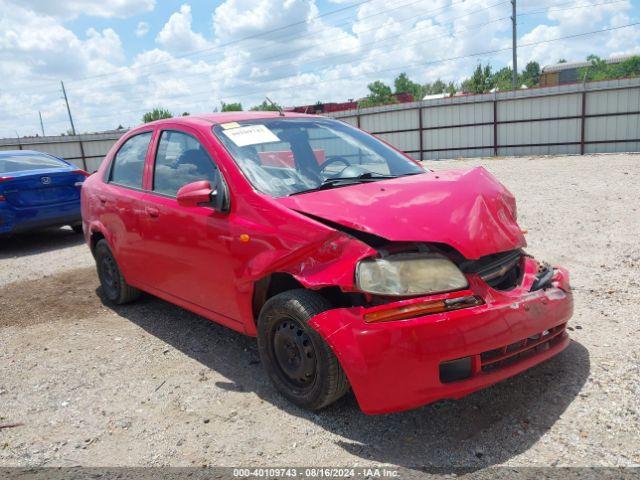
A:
{"points": [[408, 274]]}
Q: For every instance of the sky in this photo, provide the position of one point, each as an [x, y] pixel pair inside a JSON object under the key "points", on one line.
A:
{"points": [[121, 58]]}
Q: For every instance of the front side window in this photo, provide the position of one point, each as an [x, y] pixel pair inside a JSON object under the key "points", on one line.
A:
{"points": [[286, 156], [181, 159], [128, 164], [25, 162]]}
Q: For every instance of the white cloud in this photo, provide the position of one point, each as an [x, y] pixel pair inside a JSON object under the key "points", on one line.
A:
{"points": [[76, 8], [251, 55], [142, 29], [177, 35]]}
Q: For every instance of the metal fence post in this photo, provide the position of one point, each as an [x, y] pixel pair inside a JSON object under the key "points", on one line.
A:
{"points": [[583, 121], [495, 127], [82, 155], [420, 131]]}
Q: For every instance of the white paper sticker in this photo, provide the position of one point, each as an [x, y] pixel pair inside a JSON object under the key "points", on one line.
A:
{"points": [[251, 135]]}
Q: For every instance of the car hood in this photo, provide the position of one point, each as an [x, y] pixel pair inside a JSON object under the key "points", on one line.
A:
{"points": [[468, 210]]}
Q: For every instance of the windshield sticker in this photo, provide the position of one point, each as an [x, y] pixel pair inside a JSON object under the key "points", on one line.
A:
{"points": [[229, 125], [251, 135]]}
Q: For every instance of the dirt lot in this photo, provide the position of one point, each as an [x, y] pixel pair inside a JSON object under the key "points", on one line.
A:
{"points": [[151, 384]]}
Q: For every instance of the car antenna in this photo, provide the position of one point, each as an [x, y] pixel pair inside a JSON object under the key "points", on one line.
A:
{"points": [[278, 107]]}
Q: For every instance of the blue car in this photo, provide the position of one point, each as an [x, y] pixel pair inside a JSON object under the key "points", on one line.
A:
{"points": [[38, 190]]}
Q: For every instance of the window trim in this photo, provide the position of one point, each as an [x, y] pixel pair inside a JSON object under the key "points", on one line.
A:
{"points": [[107, 178], [155, 159]]}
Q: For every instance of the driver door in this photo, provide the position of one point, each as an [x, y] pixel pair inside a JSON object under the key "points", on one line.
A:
{"points": [[187, 247]]}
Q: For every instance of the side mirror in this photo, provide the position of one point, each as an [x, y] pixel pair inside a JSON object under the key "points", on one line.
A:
{"points": [[200, 194], [196, 194]]}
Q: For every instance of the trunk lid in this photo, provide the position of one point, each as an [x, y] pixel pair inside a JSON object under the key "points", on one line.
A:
{"points": [[42, 187]]}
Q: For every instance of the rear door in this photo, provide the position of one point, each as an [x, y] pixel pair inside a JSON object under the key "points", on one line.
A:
{"points": [[188, 247], [119, 204]]}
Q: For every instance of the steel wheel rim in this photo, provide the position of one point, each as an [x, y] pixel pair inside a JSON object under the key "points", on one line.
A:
{"points": [[294, 354], [108, 275]]}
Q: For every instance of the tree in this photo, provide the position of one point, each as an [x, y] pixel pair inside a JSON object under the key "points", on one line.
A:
{"points": [[434, 88], [380, 94], [531, 74], [502, 79], [185, 114], [601, 70], [403, 84], [231, 107], [266, 107], [157, 113], [480, 81], [562, 60]]}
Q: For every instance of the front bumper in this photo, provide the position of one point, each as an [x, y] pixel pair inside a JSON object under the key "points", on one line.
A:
{"points": [[396, 365]]}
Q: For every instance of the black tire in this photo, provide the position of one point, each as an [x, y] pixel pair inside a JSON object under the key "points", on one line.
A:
{"points": [[297, 359], [114, 286], [77, 228]]}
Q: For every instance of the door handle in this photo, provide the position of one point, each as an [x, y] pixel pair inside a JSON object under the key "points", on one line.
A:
{"points": [[152, 212]]}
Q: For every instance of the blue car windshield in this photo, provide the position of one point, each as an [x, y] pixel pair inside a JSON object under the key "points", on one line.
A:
{"points": [[286, 156], [25, 162]]}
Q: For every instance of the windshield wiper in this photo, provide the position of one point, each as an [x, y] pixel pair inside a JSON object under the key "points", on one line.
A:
{"points": [[344, 181]]}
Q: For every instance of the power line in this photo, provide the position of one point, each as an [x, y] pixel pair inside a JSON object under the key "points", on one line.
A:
{"points": [[150, 73], [287, 54], [195, 52], [433, 62], [248, 37]]}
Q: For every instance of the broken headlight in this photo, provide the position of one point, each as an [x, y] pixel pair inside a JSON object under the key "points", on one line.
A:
{"points": [[407, 274]]}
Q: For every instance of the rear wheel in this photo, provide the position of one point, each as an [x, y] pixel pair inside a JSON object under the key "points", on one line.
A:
{"points": [[114, 286], [297, 359]]}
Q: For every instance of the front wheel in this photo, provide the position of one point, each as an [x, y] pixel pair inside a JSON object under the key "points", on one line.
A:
{"points": [[297, 359], [114, 286], [77, 228]]}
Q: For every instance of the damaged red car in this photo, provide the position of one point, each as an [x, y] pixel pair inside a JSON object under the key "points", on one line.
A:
{"points": [[354, 266]]}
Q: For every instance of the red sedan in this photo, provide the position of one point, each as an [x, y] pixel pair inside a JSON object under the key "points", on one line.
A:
{"points": [[353, 265]]}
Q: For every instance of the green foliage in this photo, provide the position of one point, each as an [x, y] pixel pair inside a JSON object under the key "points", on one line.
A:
{"points": [[403, 84], [600, 70], [185, 114], [531, 75], [380, 94], [480, 81], [157, 113], [484, 79], [439, 87], [231, 107], [266, 107], [562, 60], [502, 79]]}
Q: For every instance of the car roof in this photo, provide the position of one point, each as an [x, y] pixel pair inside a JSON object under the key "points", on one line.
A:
{"points": [[6, 153], [227, 117]]}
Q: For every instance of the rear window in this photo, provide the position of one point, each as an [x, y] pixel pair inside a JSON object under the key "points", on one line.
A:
{"points": [[21, 163], [128, 164]]}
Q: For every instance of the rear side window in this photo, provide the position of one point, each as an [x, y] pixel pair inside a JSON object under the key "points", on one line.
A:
{"points": [[128, 164], [181, 159], [25, 162]]}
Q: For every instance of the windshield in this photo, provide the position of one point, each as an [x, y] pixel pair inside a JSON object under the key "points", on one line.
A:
{"points": [[22, 162], [285, 156]]}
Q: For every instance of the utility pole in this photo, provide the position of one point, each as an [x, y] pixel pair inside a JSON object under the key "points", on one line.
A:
{"points": [[41, 124], [514, 39], [64, 92]]}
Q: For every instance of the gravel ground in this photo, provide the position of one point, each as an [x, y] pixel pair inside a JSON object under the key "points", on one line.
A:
{"points": [[152, 384]]}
